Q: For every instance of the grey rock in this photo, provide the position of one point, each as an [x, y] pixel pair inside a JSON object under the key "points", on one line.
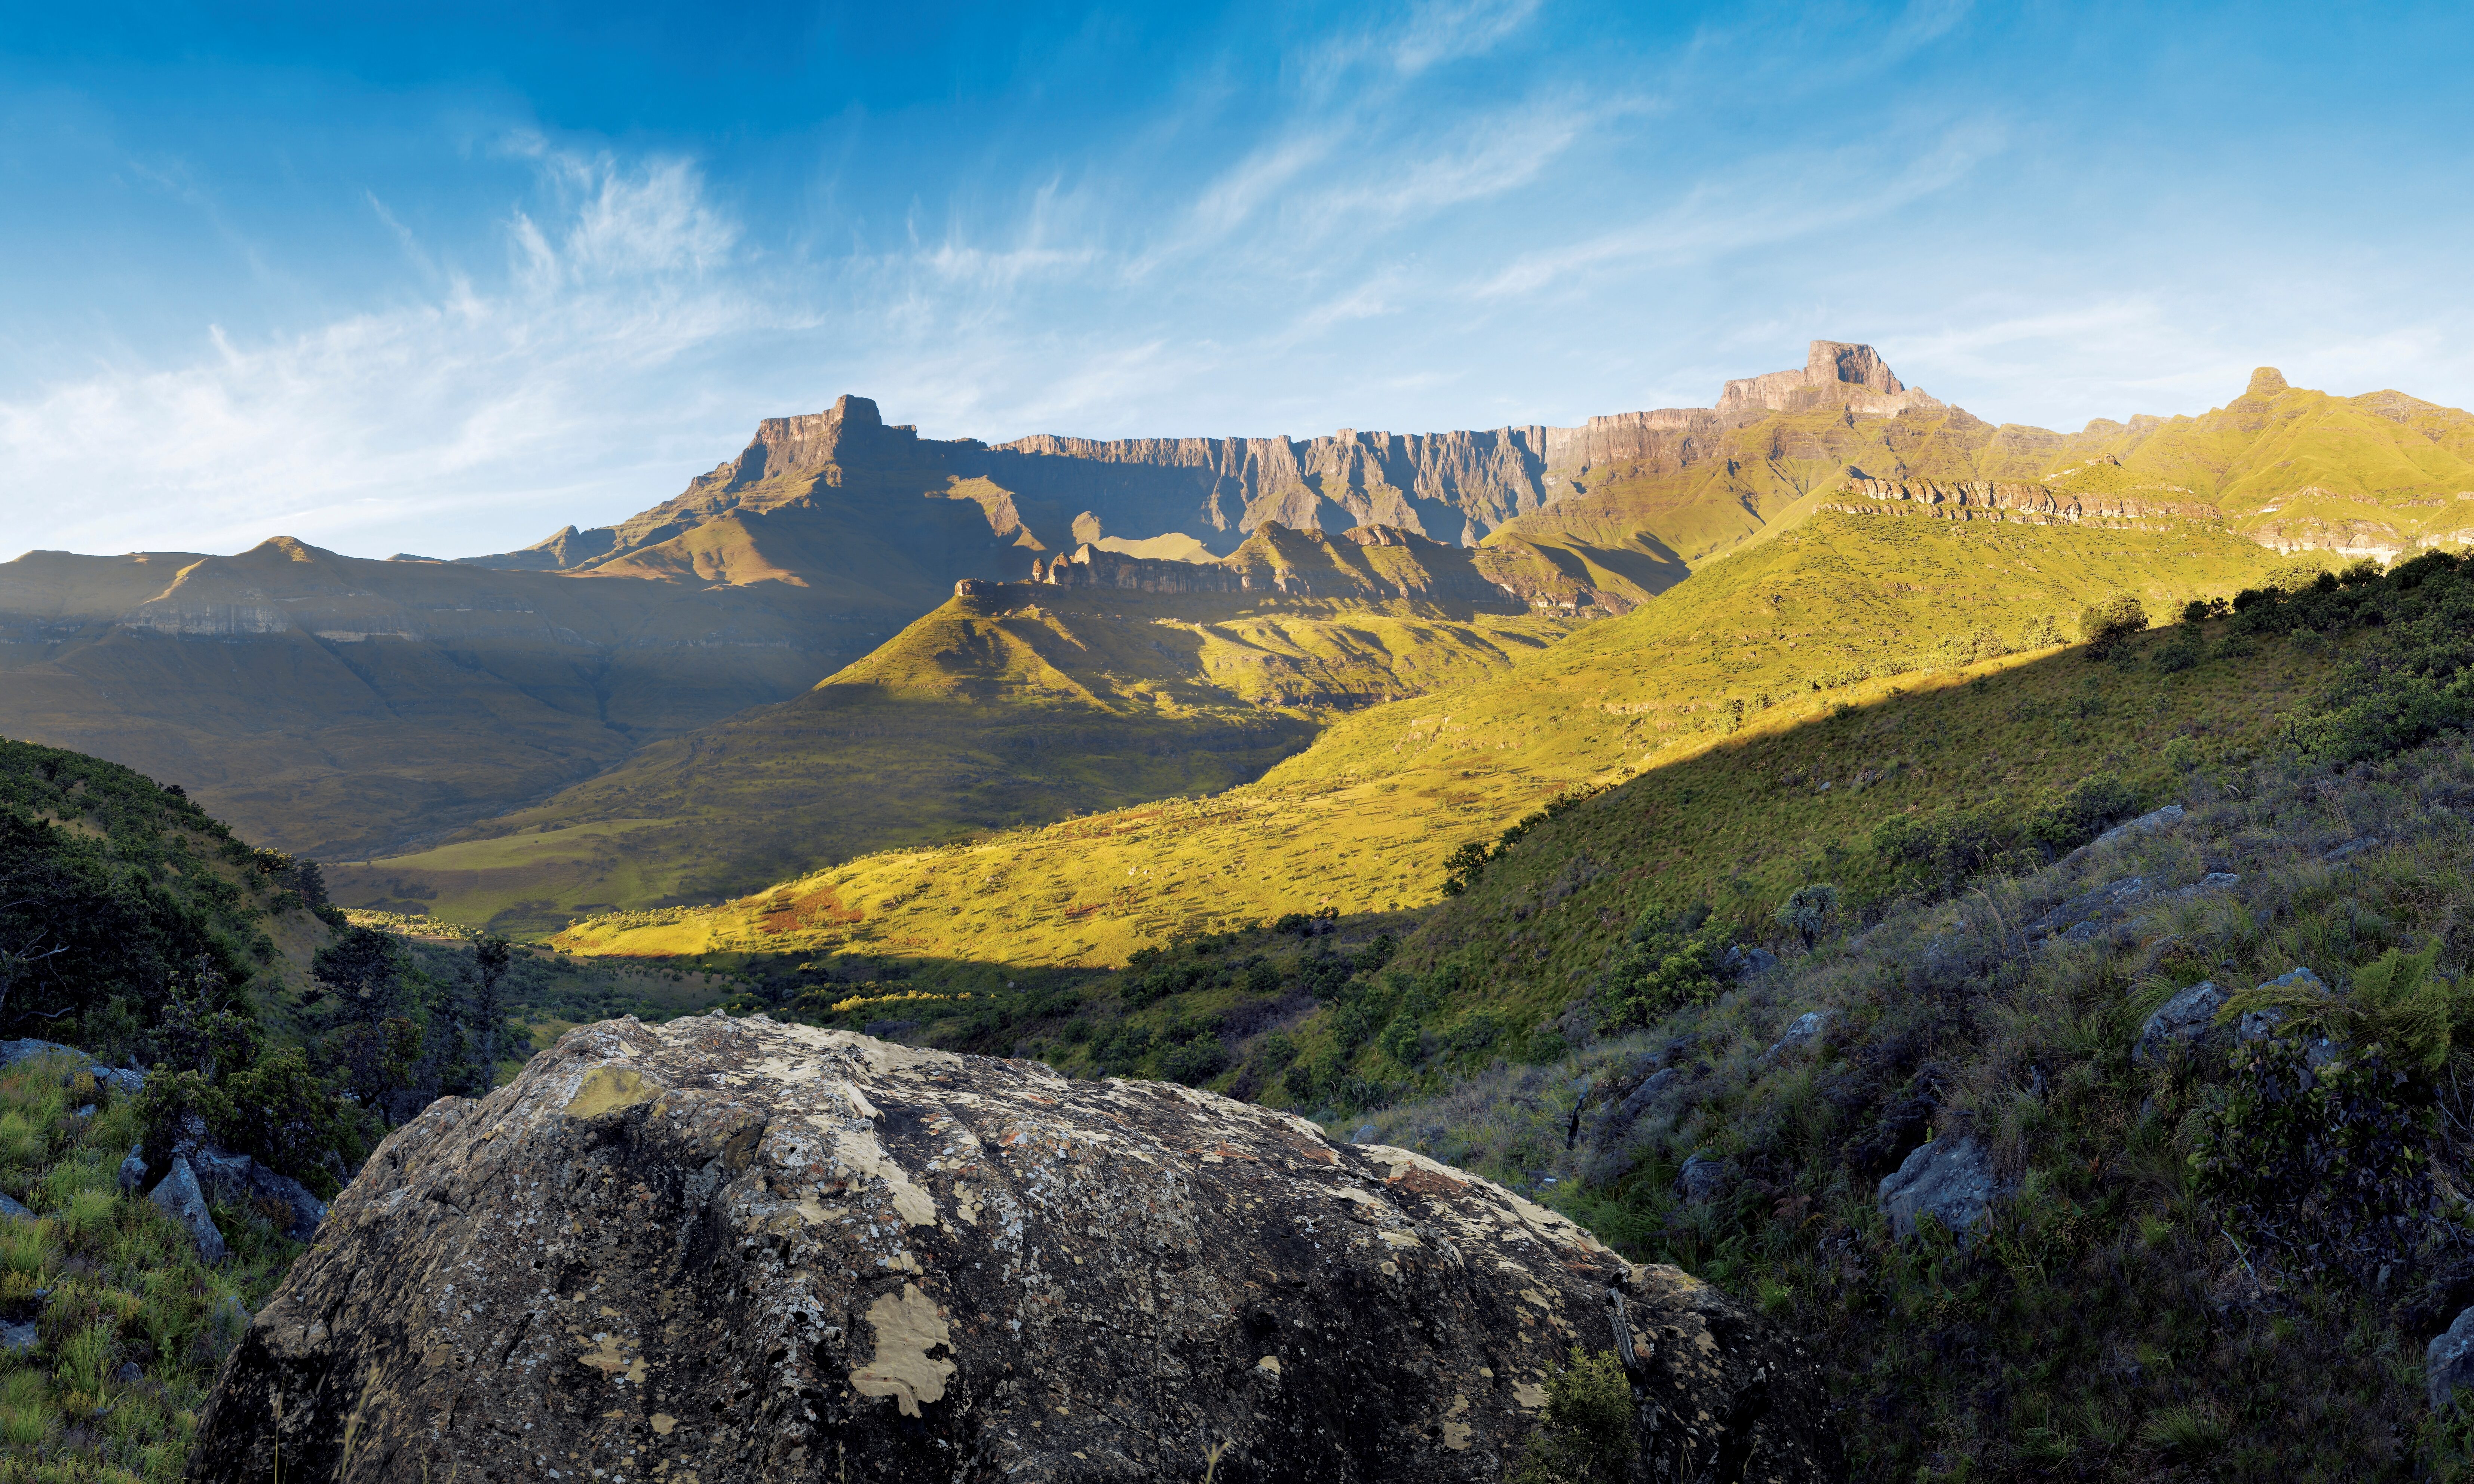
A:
{"points": [[10, 1211], [796, 1200], [2351, 848], [1949, 1179], [132, 1171], [179, 1197], [2147, 824], [19, 1339], [2260, 1024], [2083, 916], [2449, 1363], [238, 1180], [1808, 1028], [1703, 1178], [1745, 961], [2213, 882], [128, 1373], [2186, 1019]]}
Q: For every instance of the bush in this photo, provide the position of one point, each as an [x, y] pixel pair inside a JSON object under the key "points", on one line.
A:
{"points": [[2328, 1168], [2085, 812], [1587, 1435], [1669, 960], [1195, 1062], [2106, 625]]}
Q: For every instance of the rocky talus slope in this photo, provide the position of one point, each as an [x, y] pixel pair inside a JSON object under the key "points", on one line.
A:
{"points": [[724, 1250]]}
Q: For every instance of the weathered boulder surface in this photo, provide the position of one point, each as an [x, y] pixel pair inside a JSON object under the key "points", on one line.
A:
{"points": [[2185, 1020], [2448, 1364], [1948, 1179], [724, 1250], [180, 1196]]}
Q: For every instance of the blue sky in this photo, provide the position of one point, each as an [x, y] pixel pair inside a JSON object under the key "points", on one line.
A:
{"points": [[445, 279]]}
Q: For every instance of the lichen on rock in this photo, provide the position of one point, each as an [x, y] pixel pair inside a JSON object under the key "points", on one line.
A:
{"points": [[721, 1250]]}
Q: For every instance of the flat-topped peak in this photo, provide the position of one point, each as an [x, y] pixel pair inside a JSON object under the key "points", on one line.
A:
{"points": [[1836, 373]]}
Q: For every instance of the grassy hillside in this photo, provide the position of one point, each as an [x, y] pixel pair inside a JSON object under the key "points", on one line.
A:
{"points": [[1842, 611], [1026, 704]]}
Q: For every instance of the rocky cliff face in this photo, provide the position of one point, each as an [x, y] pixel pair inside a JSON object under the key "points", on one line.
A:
{"points": [[1454, 488], [1971, 500], [722, 1249], [1365, 563]]}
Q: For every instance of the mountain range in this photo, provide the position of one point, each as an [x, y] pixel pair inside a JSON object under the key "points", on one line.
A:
{"points": [[850, 638]]}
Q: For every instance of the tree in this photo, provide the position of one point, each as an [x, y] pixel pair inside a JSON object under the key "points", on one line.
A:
{"points": [[1808, 909], [364, 969], [486, 1010]]}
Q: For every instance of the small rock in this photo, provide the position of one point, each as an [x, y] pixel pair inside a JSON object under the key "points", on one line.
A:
{"points": [[132, 1171], [2449, 1362], [2182, 1020], [1951, 1179], [1703, 1178], [19, 1339], [2260, 1024], [1808, 1028], [2147, 824], [229, 1319], [180, 1196], [2352, 847], [10, 1211], [86, 1110], [1364, 1134], [128, 1374]]}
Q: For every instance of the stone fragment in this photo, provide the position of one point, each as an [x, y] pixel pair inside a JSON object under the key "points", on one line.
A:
{"points": [[132, 1171], [2351, 848], [2449, 1362], [1949, 1179], [808, 1256], [12, 1211], [1807, 1029], [19, 1339], [2185, 1020], [180, 1198], [1703, 1178]]}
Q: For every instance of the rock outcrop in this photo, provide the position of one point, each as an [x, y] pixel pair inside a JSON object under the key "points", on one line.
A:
{"points": [[719, 1250], [2037, 504], [1951, 1180]]}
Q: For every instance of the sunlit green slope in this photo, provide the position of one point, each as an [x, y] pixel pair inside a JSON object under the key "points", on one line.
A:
{"points": [[1844, 609]]}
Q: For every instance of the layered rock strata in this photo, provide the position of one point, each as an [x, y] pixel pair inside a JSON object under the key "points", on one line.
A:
{"points": [[1979, 499], [721, 1250]]}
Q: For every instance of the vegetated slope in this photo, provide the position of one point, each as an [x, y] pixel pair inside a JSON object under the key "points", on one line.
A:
{"points": [[331, 704], [1015, 703], [1364, 820], [112, 886]]}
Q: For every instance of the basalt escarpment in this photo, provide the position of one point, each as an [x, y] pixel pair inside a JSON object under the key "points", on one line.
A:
{"points": [[724, 1250], [1984, 499], [1365, 563]]}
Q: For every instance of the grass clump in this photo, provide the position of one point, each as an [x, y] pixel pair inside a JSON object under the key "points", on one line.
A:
{"points": [[130, 1326]]}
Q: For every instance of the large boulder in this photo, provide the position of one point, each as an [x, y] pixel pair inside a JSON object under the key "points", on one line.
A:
{"points": [[735, 1250]]}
